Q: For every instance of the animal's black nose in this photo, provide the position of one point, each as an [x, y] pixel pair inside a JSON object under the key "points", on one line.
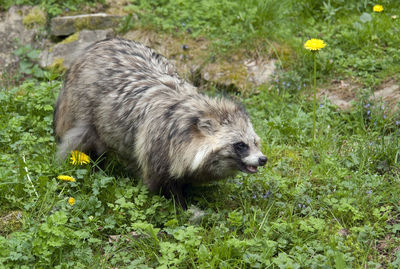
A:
{"points": [[262, 160]]}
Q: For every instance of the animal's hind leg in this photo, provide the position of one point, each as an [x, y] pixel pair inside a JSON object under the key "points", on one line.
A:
{"points": [[82, 137]]}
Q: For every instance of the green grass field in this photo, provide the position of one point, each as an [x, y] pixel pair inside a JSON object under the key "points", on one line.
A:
{"points": [[328, 202]]}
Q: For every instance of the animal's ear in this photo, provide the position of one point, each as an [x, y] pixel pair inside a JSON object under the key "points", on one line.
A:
{"points": [[206, 126]]}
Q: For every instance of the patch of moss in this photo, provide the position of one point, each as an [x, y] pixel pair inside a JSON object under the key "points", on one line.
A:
{"points": [[71, 38], [82, 23], [36, 17], [235, 73], [58, 66], [10, 222], [90, 23], [284, 54], [293, 155]]}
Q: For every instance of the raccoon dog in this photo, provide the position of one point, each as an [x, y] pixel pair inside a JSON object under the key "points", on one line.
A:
{"points": [[122, 96]]}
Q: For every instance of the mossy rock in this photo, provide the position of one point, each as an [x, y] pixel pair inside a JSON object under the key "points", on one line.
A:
{"points": [[63, 26], [232, 75], [95, 22]]}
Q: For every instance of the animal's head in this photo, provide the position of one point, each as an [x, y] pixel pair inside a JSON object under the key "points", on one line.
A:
{"points": [[229, 142]]}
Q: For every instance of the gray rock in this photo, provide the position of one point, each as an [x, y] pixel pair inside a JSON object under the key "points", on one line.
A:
{"points": [[12, 33], [339, 101], [68, 50], [67, 25], [389, 92], [343, 94], [242, 74], [260, 72]]}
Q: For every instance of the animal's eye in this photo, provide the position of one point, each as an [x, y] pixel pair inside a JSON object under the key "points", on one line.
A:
{"points": [[240, 146]]}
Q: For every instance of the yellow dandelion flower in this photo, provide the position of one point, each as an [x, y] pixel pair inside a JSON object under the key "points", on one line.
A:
{"points": [[78, 157], [377, 8], [66, 178], [314, 44], [71, 201]]}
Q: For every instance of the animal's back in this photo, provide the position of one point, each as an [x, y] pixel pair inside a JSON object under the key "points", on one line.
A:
{"points": [[102, 89]]}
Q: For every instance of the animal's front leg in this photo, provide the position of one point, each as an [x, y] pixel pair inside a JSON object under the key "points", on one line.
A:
{"points": [[175, 189]]}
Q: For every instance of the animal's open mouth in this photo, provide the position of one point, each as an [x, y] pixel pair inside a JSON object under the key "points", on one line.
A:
{"points": [[251, 169]]}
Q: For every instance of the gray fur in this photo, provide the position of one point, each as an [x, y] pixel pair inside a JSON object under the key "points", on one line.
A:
{"points": [[122, 96]]}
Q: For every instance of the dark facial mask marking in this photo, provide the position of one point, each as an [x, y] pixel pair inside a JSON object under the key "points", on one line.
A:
{"points": [[241, 149]]}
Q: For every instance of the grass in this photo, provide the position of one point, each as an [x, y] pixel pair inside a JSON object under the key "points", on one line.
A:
{"points": [[361, 44], [315, 204], [328, 203]]}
